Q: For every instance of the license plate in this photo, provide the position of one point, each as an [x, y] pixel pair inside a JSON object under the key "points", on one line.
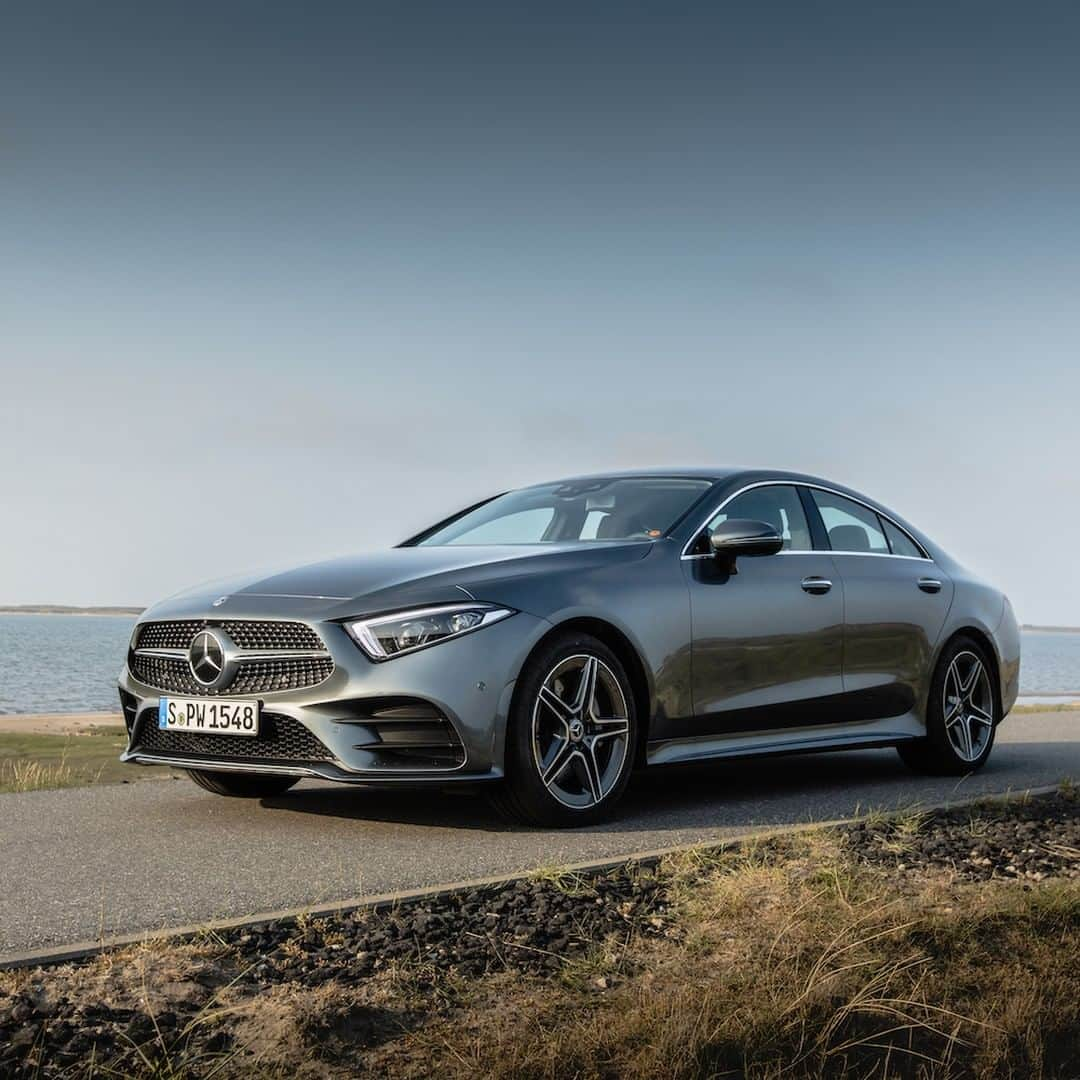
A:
{"points": [[209, 717]]}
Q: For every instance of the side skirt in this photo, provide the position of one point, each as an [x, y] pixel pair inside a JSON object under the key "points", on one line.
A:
{"points": [[889, 733]]}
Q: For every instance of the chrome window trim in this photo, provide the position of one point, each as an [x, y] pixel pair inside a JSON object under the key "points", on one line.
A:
{"points": [[824, 551], [829, 551], [863, 554]]}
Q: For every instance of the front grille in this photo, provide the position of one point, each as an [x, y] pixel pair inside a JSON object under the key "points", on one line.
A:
{"points": [[253, 676], [168, 635], [246, 633], [280, 739]]}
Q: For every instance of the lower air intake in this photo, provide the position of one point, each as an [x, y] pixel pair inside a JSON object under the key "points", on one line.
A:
{"points": [[280, 739]]}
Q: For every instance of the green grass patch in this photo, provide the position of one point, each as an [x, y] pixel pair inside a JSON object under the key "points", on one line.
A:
{"points": [[36, 762]]}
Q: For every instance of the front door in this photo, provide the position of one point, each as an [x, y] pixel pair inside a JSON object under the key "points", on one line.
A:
{"points": [[767, 639]]}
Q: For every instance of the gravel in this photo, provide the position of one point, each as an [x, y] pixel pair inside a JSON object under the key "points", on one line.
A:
{"points": [[530, 926], [533, 926], [1023, 839]]}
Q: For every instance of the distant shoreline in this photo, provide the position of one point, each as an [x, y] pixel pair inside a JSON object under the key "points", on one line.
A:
{"points": [[61, 609]]}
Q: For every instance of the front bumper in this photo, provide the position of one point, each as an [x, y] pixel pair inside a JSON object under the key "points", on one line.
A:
{"points": [[364, 714]]}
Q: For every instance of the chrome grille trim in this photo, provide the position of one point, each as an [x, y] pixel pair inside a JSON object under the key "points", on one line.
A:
{"points": [[249, 634], [243, 658], [269, 656], [265, 676], [177, 635]]}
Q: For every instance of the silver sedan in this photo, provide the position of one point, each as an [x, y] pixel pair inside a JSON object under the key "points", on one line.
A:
{"points": [[552, 638]]}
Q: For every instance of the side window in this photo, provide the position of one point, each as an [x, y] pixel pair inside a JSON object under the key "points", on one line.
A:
{"points": [[851, 526], [777, 505], [900, 542]]}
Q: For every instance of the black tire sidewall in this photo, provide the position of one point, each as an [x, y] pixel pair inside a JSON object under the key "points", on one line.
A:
{"points": [[242, 785], [524, 794]]}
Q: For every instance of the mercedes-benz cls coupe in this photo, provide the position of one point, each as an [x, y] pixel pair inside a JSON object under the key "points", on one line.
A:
{"points": [[551, 639]]}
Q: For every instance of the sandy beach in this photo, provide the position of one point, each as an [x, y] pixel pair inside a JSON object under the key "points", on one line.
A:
{"points": [[59, 723]]}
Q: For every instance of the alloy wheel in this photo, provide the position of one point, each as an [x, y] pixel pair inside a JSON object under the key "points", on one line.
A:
{"points": [[580, 731], [968, 706]]}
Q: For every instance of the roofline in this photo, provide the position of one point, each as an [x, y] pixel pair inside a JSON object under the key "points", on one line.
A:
{"points": [[723, 480]]}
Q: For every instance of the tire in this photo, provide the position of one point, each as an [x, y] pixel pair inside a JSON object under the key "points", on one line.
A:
{"points": [[582, 740], [962, 714], [242, 785]]}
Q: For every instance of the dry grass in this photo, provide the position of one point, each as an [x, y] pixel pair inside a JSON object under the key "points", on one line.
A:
{"points": [[31, 761], [31, 775], [782, 959], [565, 881], [802, 966]]}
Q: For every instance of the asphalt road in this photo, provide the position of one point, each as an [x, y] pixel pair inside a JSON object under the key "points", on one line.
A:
{"points": [[84, 863]]}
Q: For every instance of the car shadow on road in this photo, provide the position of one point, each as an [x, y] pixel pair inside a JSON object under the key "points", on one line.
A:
{"points": [[733, 793]]}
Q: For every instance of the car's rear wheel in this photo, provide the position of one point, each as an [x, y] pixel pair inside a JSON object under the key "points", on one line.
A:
{"points": [[571, 735], [962, 714], [242, 785]]}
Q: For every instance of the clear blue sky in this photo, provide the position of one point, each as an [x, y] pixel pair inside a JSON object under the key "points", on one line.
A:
{"points": [[282, 281]]}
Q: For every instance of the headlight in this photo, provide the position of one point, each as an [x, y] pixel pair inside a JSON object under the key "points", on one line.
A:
{"points": [[387, 636]]}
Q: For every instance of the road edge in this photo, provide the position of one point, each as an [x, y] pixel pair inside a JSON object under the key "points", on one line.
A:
{"points": [[82, 950]]}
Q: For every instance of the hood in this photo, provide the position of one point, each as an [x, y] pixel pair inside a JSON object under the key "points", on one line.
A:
{"points": [[365, 584]]}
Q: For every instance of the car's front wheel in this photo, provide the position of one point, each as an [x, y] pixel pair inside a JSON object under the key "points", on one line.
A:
{"points": [[571, 735], [962, 713], [242, 785]]}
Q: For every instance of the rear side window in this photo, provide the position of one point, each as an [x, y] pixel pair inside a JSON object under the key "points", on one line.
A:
{"points": [[900, 542], [851, 526]]}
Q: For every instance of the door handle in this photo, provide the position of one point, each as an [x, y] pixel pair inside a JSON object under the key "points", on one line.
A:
{"points": [[816, 585], [929, 584]]}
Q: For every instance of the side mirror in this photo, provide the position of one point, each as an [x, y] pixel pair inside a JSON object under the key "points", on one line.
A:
{"points": [[740, 536]]}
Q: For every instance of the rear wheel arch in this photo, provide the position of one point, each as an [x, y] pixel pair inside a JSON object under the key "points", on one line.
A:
{"points": [[963, 708], [981, 637], [629, 657]]}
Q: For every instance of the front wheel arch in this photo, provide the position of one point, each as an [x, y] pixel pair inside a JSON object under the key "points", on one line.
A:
{"points": [[629, 657]]}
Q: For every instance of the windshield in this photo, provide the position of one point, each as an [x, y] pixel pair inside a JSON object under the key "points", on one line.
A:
{"points": [[623, 508]]}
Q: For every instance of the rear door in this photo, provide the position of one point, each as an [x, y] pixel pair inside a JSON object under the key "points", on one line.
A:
{"points": [[895, 603], [768, 639]]}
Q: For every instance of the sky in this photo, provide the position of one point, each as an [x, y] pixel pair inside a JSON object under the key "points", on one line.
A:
{"points": [[283, 281]]}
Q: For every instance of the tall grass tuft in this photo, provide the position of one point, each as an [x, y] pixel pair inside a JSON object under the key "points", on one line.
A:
{"points": [[18, 775]]}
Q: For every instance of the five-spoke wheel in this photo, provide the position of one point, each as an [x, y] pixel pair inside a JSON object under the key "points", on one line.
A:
{"points": [[962, 713], [968, 706], [580, 731], [571, 737]]}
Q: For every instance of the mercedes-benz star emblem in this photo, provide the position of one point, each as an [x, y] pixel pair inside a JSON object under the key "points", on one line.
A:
{"points": [[206, 658]]}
